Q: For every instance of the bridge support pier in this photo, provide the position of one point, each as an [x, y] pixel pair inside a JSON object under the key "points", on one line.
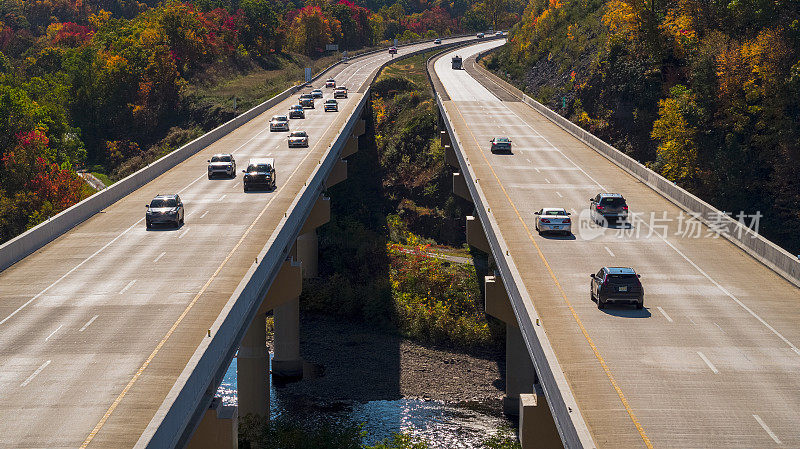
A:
{"points": [[286, 363], [475, 235], [520, 373], [537, 429], [308, 253], [252, 369], [218, 429], [460, 186]]}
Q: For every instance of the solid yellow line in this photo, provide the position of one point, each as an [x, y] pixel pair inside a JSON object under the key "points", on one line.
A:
{"points": [[603, 363], [175, 325]]}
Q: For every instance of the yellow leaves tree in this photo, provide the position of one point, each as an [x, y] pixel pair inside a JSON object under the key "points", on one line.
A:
{"points": [[311, 29], [677, 133]]}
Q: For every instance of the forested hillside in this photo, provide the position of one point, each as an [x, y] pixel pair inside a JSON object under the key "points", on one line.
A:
{"points": [[706, 92], [110, 85]]}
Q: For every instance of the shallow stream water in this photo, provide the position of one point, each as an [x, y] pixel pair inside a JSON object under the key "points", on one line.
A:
{"points": [[441, 425]]}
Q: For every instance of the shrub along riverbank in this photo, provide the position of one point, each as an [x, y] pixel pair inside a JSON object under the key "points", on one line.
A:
{"points": [[394, 251]]}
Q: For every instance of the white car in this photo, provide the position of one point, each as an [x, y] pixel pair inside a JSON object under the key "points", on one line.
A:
{"points": [[298, 139], [279, 123], [553, 219], [316, 93]]}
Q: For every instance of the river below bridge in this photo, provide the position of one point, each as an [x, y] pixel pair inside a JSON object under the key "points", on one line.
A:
{"points": [[449, 399]]}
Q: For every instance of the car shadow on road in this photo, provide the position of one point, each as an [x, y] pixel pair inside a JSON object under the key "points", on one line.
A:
{"points": [[627, 312], [558, 236], [164, 227], [619, 225]]}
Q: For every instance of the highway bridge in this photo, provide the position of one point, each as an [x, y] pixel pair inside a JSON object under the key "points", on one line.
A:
{"points": [[117, 336], [711, 361]]}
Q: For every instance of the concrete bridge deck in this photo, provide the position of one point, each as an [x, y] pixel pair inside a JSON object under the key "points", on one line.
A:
{"points": [[712, 360], [98, 325]]}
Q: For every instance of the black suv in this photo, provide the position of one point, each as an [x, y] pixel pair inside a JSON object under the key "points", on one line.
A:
{"points": [[164, 209], [610, 206], [617, 285], [260, 172]]}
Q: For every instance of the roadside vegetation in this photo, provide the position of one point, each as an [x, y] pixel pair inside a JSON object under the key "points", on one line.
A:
{"points": [[286, 433], [706, 93], [111, 85], [394, 253]]}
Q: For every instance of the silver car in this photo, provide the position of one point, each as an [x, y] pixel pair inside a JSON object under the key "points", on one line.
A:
{"points": [[279, 123], [298, 139], [553, 219], [164, 209], [316, 93], [222, 164]]}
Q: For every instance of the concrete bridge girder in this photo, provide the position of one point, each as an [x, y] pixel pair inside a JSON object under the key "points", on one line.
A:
{"points": [[288, 284], [450, 156], [218, 429], [350, 147], [496, 301], [360, 128], [475, 235], [460, 186], [338, 174], [537, 429], [319, 215]]}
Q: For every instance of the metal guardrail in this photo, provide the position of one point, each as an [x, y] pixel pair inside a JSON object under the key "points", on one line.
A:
{"points": [[569, 421]]}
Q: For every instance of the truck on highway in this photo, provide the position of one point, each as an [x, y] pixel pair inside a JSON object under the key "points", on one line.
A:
{"points": [[456, 62]]}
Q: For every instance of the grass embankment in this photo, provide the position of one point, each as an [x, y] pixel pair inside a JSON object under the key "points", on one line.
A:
{"points": [[390, 220]]}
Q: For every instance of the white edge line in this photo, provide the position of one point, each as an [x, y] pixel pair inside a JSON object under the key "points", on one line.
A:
{"points": [[54, 332], [767, 429], [88, 323], [664, 313], [708, 362], [125, 289], [35, 373]]}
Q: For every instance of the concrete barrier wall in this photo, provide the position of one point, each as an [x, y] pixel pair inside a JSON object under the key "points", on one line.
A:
{"points": [[26, 243], [182, 409], [31, 240], [569, 421], [768, 253]]}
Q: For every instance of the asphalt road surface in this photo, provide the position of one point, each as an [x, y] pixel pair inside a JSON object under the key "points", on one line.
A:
{"points": [[712, 360], [96, 326]]}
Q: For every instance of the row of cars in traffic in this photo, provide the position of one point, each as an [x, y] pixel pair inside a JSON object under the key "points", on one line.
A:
{"points": [[610, 284], [260, 172]]}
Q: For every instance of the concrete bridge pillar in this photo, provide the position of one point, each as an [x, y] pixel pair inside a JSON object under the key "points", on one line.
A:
{"points": [[252, 369], [286, 363], [460, 186], [444, 137], [520, 373], [218, 429], [537, 429], [475, 235], [308, 252], [450, 156]]}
